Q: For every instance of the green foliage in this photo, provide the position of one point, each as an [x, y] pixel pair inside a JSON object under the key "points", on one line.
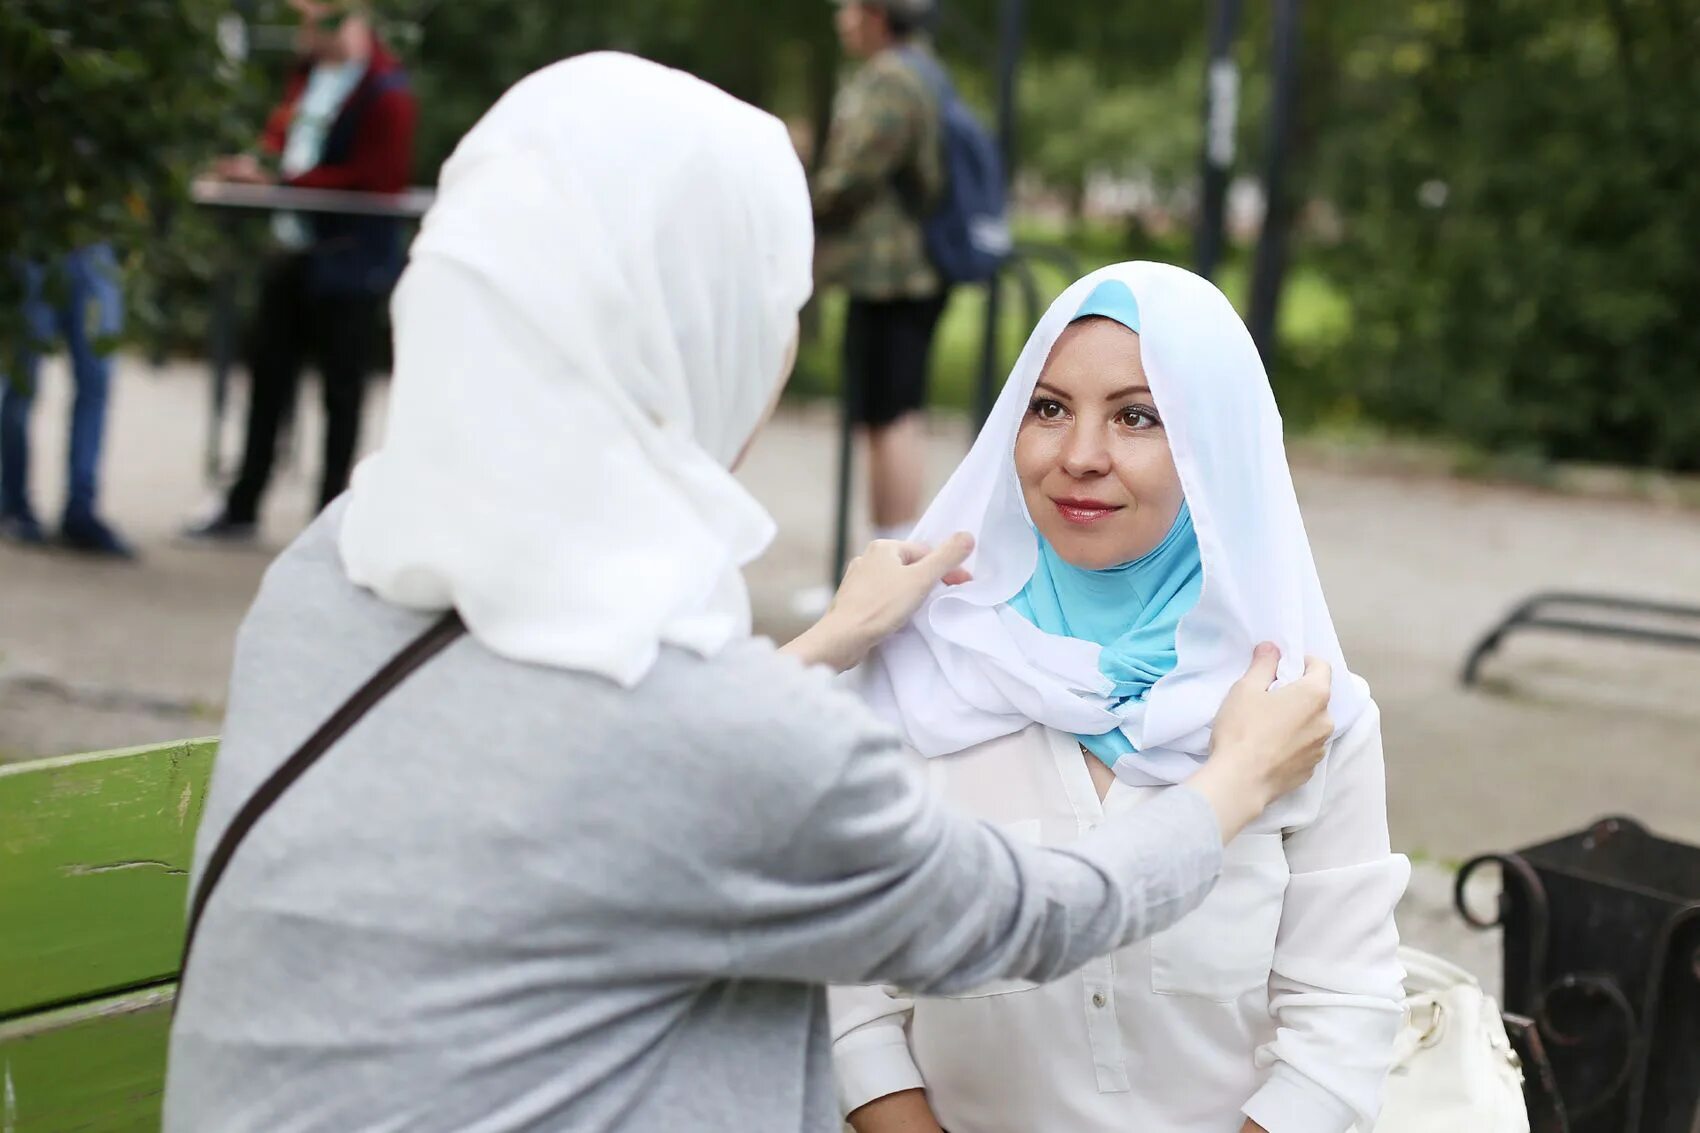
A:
{"points": [[1077, 121], [1513, 184], [1520, 183], [110, 109], [470, 51]]}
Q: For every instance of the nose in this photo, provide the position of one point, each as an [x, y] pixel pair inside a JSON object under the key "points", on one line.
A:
{"points": [[1086, 452]]}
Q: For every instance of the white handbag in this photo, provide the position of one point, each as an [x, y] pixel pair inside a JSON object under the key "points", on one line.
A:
{"points": [[1454, 1070]]}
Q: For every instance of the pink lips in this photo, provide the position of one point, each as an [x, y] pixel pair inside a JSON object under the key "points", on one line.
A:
{"points": [[1085, 512]]}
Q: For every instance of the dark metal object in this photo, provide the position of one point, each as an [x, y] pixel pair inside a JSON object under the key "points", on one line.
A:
{"points": [[1011, 20], [846, 473], [1271, 262], [1028, 282], [1558, 610], [1602, 951], [1540, 1087], [1058, 256], [1221, 115], [221, 354]]}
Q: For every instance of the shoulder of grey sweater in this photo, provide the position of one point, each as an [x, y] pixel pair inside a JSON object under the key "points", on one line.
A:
{"points": [[307, 587], [316, 547]]}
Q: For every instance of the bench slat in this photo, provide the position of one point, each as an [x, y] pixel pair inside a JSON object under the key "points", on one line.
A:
{"points": [[94, 858], [96, 1068]]}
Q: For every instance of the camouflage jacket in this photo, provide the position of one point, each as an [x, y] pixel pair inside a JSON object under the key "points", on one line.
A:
{"points": [[883, 167]]}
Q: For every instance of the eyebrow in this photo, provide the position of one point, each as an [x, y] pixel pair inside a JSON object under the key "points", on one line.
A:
{"points": [[1120, 393]]}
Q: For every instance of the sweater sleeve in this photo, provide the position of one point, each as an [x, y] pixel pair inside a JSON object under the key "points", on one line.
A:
{"points": [[882, 883]]}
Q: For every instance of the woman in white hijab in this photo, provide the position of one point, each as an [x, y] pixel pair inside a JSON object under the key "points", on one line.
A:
{"points": [[583, 856], [1137, 532]]}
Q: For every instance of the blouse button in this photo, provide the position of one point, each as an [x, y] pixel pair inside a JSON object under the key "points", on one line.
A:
{"points": [[1098, 999]]}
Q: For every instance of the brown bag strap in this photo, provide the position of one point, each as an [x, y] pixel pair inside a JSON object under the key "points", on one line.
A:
{"points": [[432, 642]]}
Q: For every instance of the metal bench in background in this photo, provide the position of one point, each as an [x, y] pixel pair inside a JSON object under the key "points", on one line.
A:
{"points": [[1594, 615]]}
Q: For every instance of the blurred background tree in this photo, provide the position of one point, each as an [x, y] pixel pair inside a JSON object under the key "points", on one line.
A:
{"points": [[1520, 184], [110, 109], [1493, 203]]}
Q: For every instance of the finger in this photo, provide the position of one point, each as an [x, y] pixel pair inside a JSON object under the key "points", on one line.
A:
{"points": [[949, 556], [1264, 659], [957, 577], [910, 552]]}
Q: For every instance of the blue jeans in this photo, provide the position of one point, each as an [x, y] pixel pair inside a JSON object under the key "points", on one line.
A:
{"points": [[92, 282]]}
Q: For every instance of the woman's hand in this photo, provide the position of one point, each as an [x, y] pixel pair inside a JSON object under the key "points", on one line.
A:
{"points": [[906, 1111], [242, 169], [1251, 1126], [1265, 743], [881, 590]]}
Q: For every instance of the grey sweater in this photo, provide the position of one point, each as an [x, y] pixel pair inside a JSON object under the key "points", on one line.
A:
{"points": [[516, 897]]}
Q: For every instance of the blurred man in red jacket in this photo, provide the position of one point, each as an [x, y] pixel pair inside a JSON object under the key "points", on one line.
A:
{"points": [[346, 122]]}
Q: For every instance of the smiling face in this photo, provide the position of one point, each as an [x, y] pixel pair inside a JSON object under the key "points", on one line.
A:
{"points": [[1091, 456]]}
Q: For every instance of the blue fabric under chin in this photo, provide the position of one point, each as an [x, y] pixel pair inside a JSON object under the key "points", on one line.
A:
{"points": [[1132, 611]]}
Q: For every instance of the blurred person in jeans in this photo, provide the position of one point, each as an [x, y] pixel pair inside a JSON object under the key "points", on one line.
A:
{"points": [[882, 168], [92, 308], [346, 122]]}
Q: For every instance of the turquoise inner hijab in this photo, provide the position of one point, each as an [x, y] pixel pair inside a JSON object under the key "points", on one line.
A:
{"points": [[1132, 610]]}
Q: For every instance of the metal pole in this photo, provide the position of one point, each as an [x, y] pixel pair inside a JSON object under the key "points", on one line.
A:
{"points": [[222, 349], [1012, 18], [1221, 113], [846, 419], [985, 390], [847, 398], [1271, 261], [233, 42]]}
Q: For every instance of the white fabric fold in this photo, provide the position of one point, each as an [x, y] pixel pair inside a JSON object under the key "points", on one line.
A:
{"points": [[967, 669], [595, 317]]}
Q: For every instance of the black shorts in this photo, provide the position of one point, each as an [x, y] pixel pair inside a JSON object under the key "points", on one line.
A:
{"points": [[887, 347]]}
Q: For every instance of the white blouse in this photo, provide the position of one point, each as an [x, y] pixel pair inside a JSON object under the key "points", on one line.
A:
{"points": [[1277, 999]]}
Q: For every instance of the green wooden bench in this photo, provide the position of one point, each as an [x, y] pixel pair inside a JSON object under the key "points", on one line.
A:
{"points": [[94, 859]]}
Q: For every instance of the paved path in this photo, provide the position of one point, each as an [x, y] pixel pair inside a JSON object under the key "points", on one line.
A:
{"points": [[95, 655]]}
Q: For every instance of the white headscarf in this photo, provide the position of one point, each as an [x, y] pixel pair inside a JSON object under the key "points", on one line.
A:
{"points": [[594, 319], [967, 668]]}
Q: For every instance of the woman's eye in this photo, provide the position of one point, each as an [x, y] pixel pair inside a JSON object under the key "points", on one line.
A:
{"points": [[1139, 417], [1045, 409]]}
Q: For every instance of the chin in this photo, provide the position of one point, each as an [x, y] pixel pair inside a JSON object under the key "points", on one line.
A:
{"points": [[1090, 550]]}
